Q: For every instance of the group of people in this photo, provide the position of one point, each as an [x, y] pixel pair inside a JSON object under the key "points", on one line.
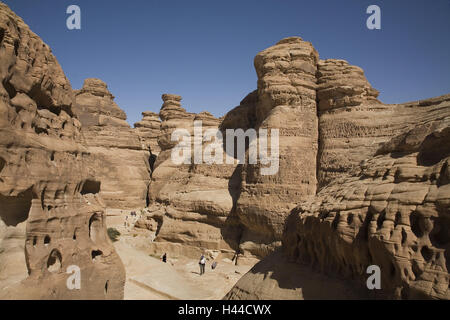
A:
{"points": [[202, 263], [129, 223]]}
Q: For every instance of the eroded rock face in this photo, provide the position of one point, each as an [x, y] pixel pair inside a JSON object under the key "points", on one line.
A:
{"points": [[355, 126], [233, 207], [286, 101], [119, 160], [391, 211], [359, 182], [50, 214], [148, 130], [193, 202], [382, 198], [352, 122], [341, 85], [375, 164]]}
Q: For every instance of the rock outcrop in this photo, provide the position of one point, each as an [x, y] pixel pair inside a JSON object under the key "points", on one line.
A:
{"points": [[285, 101], [374, 194], [51, 217], [148, 130], [341, 85], [382, 196], [253, 206], [119, 160], [277, 278], [392, 213], [192, 202], [345, 141], [356, 182]]}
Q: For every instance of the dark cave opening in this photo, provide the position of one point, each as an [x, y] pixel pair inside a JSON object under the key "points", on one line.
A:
{"points": [[91, 186], [16, 47], [54, 261], [96, 253], [15, 209], [2, 163], [2, 35], [152, 160], [9, 88]]}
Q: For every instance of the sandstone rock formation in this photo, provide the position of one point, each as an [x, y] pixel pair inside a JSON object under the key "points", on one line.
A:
{"points": [[391, 211], [148, 130], [118, 158], [191, 202], [285, 100], [373, 165], [382, 196], [253, 206], [51, 216], [359, 182], [277, 278], [346, 141]]}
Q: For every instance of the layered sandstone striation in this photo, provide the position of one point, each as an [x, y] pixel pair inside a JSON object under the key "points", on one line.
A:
{"points": [[51, 216], [286, 101], [382, 197], [341, 85], [119, 160], [372, 194], [347, 140], [148, 130], [357, 182], [192, 202], [391, 211], [234, 208]]}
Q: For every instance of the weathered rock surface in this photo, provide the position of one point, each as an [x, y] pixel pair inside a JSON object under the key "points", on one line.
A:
{"points": [[359, 182], [50, 214], [391, 211], [340, 85], [377, 165], [286, 101], [382, 196], [148, 130], [192, 202], [355, 126], [277, 278], [239, 208], [118, 158]]}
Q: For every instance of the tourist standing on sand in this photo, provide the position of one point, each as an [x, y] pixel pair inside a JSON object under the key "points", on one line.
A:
{"points": [[164, 258], [202, 264]]}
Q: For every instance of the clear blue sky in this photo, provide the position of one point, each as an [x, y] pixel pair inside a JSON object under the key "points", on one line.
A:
{"points": [[204, 50]]}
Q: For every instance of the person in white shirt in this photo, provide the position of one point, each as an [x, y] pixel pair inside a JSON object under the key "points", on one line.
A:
{"points": [[202, 264]]}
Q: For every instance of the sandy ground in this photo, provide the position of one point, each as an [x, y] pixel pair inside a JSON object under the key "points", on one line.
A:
{"points": [[148, 278]]}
